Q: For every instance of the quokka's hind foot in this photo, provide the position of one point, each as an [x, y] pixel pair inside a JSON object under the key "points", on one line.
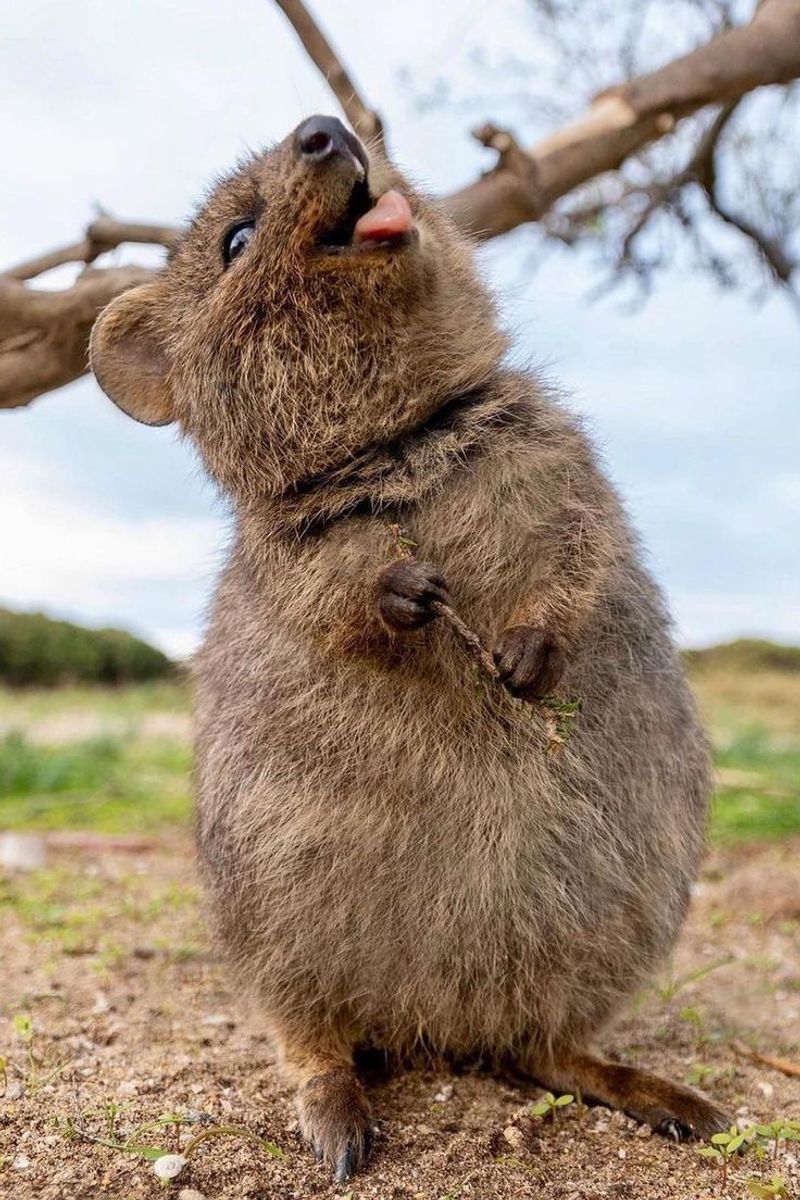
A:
{"points": [[675, 1111], [332, 1107], [335, 1120]]}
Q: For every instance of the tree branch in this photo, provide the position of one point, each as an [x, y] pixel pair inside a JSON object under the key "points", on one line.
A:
{"points": [[624, 119], [44, 334], [364, 120], [104, 234]]}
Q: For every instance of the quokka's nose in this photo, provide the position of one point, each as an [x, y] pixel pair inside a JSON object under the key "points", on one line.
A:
{"points": [[322, 138]]}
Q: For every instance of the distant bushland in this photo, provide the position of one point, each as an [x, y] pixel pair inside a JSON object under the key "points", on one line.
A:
{"points": [[745, 655], [36, 650]]}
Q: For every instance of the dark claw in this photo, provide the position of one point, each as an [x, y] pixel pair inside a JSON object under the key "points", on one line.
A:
{"points": [[347, 1164], [353, 1157], [335, 1120], [676, 1130]]}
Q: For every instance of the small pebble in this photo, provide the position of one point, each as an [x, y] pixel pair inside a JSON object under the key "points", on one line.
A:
{"points": [[21, 1162], [513, 1136], [444, 1094], [21, 852], [194, 1116], [169, 1166], [15, 1091], [190, 1194]]}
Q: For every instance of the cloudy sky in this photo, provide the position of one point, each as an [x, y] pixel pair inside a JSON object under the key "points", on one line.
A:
{"points": [[693, 400]]}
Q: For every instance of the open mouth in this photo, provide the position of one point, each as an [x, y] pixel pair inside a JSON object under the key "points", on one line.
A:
{"points": [[370, 223]]}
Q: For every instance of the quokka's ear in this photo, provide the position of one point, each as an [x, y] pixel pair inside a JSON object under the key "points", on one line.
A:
{"points": [[128, 358]]}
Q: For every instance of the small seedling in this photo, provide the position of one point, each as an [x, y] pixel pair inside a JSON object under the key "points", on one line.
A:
{"points": [[697, 1019], [516, 1164], [701, 1075], [111, 1112], [670, 988], [722, 1149], [775, 1188], [24, 1028], [777, 1131], [549, 1106], [167, 1164]]}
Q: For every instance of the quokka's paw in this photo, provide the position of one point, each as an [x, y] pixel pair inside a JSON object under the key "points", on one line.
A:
{"points": [[688, 1114], [407, 593], [335, 1120], [530, 661]]}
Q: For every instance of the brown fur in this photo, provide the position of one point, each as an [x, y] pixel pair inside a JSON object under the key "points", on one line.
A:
{"points": [[389, 852]]}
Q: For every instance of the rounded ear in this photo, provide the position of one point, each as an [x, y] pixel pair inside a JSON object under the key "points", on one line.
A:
{"points": [[128, 358]]}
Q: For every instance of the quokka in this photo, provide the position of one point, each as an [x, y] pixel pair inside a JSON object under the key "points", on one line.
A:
{"points": [[389, 853]]}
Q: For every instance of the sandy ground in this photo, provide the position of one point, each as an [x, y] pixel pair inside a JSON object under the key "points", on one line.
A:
{"points": [[133, 1020]]}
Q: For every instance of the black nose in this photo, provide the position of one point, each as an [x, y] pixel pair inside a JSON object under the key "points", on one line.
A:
{"points": [[321, 138]]}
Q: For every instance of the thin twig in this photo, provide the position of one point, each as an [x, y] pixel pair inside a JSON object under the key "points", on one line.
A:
{"points": [[365, 120], [784, 1065], [557, 715], [470, 639], [104, 234]]}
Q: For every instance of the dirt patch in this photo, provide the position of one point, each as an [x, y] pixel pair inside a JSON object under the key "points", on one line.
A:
{"points": [[134, 1020]]}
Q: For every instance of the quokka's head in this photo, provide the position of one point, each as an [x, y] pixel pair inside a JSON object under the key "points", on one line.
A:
{"points": [[316, 304]]}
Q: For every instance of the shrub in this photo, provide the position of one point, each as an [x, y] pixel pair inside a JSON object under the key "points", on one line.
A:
{"points": [[35, 649], [745, 654]]}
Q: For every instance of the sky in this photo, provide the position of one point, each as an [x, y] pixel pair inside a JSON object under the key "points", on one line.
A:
{"points": [[692, 401]]}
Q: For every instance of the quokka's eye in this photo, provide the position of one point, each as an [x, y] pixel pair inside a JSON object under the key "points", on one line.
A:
{"points": [[236, 240]]}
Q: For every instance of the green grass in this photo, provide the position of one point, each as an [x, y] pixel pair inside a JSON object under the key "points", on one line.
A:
{"points": [[132, 775], [754, 721], [758, 795], [112, 785]]}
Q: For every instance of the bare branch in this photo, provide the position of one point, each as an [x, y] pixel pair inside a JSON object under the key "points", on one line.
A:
{"points": [[779, 262], [365, 120], [44, 333], [104, 234], [624, 119]]}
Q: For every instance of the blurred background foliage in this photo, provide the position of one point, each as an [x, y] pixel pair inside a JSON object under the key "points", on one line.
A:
{"points": [[35, 649], [108, 749]]}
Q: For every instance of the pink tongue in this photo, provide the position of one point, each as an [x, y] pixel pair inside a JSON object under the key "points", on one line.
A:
{"points": [[390, 218]]}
